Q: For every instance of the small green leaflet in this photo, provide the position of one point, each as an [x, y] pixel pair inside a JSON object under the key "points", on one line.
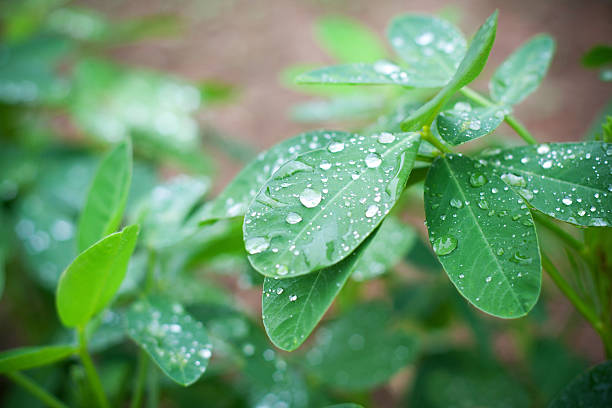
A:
{"points": [[318, 208], [571, 182], [470, 67], [89, 283], [347, 352], [463, 122], [25, 358], [382, 72], [235, 199], [591, 389], [433, 48], [107, 196], [388, 247], [353, 107], [348, 40], [522, 72], [175, 341], [291, 308], [483, 234]]}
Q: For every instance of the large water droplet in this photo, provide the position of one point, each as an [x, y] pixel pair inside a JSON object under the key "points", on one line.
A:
{"points": [[256, 245], [371, 211], [547, 164], [514, 180], [567, 201], [310, 198], [543, 149], [335, 147], [293, 218], [325, 165], [386, 137], [373, 160], [444, 245], [520, 259], [455, 202], [478, 180]]}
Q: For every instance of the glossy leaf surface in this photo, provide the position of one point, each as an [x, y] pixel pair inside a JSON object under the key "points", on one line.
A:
{"points": [[107, 197], [318, 208], [89, 283], [177, 342], [591, 389], [25, 358], [571, 182], [463, 122], [483, 234]]}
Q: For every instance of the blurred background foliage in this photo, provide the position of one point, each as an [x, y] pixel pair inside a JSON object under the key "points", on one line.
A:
{"points": [[199, 86]]}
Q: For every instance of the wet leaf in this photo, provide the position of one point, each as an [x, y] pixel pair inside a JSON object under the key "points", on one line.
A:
{"points": [[348, 40], [177, 342], [471, 66], [319, 207], [463, 123], [107, 196], [522, 72], [433, 48], [352, 107], [591, 389], [347, 352], [89, 283], [484, 236], [24, 358], [568, 181], [235, 198]]}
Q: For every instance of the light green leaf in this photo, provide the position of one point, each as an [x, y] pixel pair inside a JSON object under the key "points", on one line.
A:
{"points": [[319, 207], [470, 67], [24, 358], [347, 352], [355, 107], [107, 196], [388, 247], [522, 72], [89, 283], [463, 123], [483, 235], [596, 131], [431, 47], [291, 308], [348, 40], [177, 343], [235, 199], [591, 389], [571, 182]]}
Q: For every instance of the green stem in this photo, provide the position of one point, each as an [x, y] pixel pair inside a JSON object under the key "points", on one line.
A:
{"points": [[36, 390], [150, 277], [153, 389], [562, 234], [141, 376], [428, 136], [510, 120], [90, 371]]}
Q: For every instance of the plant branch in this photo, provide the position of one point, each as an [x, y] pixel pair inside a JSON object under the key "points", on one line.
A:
{"points": [[429, 137], [141, 376], [90, 371], [36, 390]]}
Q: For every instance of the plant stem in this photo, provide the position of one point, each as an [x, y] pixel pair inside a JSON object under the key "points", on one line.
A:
{"points": [[150, 277], [90, 371], [153, 389], [559, 232], [510, 120], [141, 376], [36, 390], [428, 136]]}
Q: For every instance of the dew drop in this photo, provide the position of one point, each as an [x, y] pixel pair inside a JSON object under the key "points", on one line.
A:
{"points": [[520, 259], [386, 137], [514, 180], [547, 164], [293, 218], [335, 147], [445, 245], [478, 180], [543, 149], [292, 298], [373, 160], [256, 245], [279, 291], [567, 201], [325, 165], [425, 38], [454, 202], [371, 211], [310, 198]]}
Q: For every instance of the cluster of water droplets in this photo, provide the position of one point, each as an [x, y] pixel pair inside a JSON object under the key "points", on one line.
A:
{"points": [[463, 123]]}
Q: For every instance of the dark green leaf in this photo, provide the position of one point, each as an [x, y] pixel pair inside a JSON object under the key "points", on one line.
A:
{"points": [[597, 56], [592, 389], [235, 199], [463, 123], [318, 208], [522, 72], [470, 67], [347, 353], [483, 235], [177, 343], [348, 41], [92, 279], [107, 196], [25, 358], [568, 181]]}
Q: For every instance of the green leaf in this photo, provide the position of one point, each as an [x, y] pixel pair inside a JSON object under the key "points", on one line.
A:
{"points": [[348, 40], [319, 207], [597, 56], [471, 66], [291, 308], [388, 247], [483, 235], [24, 358], [568, 181], [107, 196], [595, 131], [89, 283], [177, 343], [235, 198], [347, 352], [522, 72], [591, 389], [431, 47], [354, 107], [463, 123], [345, 405]]}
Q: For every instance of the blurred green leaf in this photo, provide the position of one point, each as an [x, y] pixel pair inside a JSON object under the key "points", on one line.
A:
{"points": [[177, 342], [464, 123], [92, 279], [354, 107], [595, 131], [592, 389], [522, 72], [597, 56], [347, 40], [24, 358]]}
